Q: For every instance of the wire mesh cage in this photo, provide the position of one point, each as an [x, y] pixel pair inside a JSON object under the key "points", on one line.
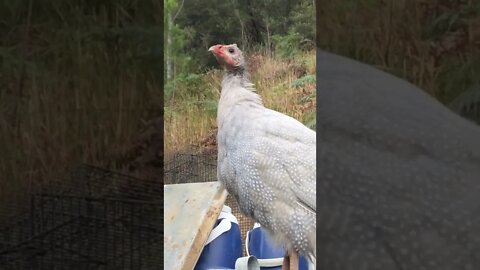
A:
{"points": [[95, 219], [197, 165], [191, 166], [98, 219]]}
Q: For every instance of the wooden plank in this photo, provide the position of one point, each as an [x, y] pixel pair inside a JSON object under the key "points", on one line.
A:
{"points": [[190, 214]]}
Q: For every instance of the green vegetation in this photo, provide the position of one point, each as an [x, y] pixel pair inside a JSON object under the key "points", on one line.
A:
{"points": [[278, 39], [77, 78], [433, 44]]}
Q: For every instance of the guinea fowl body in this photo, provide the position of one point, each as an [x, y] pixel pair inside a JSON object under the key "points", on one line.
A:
{"points": [[266, 160], [400, 174]]}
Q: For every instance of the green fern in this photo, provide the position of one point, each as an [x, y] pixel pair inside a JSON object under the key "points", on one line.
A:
{"points": [[303, 80]]}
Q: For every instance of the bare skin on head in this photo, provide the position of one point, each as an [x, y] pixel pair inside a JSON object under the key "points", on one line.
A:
{"points": [[228, 56]]}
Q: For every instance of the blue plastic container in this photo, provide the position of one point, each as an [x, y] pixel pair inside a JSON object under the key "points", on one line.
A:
{"points": [[270, 256], [224, 245]]}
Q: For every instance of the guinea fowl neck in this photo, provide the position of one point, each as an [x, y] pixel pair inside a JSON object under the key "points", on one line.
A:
{"points": [[238, 76], [238, 72], [236, 89]]}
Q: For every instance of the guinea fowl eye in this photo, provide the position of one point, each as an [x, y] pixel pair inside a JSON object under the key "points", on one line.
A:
{"points": [[231, 50]]}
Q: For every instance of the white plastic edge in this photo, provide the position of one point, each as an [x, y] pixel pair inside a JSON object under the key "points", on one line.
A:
{"points": [[228, 216], [263, 262], [256, 225], [270, 262], [224, 226]]}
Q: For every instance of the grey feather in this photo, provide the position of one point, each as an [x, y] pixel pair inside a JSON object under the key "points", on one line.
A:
{"points": [[400, 174], [267, 162]]}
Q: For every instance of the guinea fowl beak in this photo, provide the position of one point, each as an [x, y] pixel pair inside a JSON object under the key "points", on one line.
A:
{"points": [[216, 49]]}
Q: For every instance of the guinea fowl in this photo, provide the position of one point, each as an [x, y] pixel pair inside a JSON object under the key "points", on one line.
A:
{"points": [[400, 174], [266, 160]]}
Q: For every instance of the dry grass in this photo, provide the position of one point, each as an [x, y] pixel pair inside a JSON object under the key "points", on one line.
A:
{"points": [[73, 84], [188, 120], [433, 44]]}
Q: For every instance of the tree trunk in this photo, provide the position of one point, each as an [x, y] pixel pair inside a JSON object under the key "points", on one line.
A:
{"points": [[169, 46]]}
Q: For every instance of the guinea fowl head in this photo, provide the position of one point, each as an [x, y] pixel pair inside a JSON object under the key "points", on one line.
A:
{"points": [[229, 56]]}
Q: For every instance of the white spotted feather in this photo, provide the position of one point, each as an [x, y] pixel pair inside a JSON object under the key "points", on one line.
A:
{"points": [[267, 161]]}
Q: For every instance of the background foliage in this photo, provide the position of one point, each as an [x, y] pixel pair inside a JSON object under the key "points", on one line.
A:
{"points": [[433, 44], [77, 78], [278, 39]]}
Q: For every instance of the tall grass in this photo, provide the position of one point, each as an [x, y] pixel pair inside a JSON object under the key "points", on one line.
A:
{"points": [[433, 44], [285, 85], [76, 80]]}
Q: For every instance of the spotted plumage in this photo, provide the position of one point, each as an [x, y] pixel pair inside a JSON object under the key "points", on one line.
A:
{"points": [[266, 159], [400, 174]]}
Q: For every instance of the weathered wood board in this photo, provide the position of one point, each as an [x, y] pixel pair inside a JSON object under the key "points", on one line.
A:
{"points": [[190, 214]]}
